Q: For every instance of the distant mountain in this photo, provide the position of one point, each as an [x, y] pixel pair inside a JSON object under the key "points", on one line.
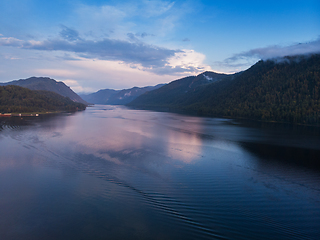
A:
{"points": [[172, 93], [47, 84], [99, 97], [117, 97], [285, 89], [16, 99]]}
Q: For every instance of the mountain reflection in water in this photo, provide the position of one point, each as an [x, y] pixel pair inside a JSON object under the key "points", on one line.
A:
{"points": [[111, 172]]}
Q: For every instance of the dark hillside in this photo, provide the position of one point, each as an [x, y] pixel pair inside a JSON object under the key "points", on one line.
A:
{"points": [[174, 93], [100, 97], [285, 90], [117, 97], [15, 99], [164, 95], [47, 84]]}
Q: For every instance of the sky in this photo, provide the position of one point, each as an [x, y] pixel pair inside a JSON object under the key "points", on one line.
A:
{"points": [[99, 44]]}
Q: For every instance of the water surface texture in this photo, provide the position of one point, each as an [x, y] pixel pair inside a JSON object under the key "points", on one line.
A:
{"points": [[114, 173]]}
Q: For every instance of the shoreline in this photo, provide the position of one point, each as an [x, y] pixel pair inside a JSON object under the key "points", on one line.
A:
{"points": [[34, 114], [19, 115], [196, 114]]}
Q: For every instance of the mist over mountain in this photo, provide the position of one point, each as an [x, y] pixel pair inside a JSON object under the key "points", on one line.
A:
{"points": [[117, 97], [285, 90], [47, 84]]}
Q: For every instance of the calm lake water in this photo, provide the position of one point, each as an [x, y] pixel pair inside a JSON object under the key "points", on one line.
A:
{"points": [[114, 173]]}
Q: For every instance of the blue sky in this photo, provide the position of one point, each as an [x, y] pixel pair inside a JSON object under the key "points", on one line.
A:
{"points": [[91, 45]]}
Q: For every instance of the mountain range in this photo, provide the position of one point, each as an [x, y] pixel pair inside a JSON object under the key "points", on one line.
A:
{"points": [[170, 94], [117, 97], [175, 88], [285, 90]]}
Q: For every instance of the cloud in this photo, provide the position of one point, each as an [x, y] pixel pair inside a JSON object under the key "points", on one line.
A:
{"points": [[75, 86], [138, 36], [154, 8], [10, 41], [277, 51], [176, 70], [69, 34], [106, 49], [113, 74], [100, 21], [144, 34], [135, 54], [68, 57], [132, 37], [241, 61], [186, 40], [184, 62], [55, 72]]}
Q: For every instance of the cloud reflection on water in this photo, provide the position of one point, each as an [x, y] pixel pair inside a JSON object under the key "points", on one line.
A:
{"points": [[114, 164], [121, 139]]}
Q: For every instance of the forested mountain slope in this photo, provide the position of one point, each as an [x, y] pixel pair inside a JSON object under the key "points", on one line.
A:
{"points": [[117, 97], [284, 90], [174, 92], [47, 84], [15, 99]]}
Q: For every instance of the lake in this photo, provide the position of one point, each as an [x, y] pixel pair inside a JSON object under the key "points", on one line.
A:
{"points": [[111, 172]]}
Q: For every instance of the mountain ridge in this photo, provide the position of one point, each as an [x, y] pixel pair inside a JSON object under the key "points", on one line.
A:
{"points": [[117, 97], [171, 93], [47, 84]]}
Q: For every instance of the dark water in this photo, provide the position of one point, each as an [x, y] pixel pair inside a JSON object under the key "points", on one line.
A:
{"points": [[114, 173]]}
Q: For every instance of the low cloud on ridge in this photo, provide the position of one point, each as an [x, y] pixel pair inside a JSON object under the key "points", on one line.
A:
{"points": [[276, 51]]}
